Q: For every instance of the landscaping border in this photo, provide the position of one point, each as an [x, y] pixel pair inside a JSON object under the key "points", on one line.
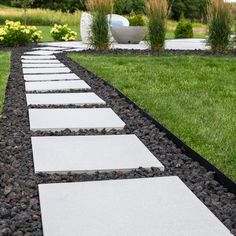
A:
{"points": [[218, 175]]}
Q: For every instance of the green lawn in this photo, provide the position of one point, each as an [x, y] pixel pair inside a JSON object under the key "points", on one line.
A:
{"points": [[4, 72], [194, 96]]}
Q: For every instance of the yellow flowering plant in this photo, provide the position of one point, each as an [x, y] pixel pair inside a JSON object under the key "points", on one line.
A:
{"points": [[15, 34], [63, 33]]}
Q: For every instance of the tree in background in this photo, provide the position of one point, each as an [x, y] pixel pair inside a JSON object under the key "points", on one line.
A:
{"points": [[192, 9], [25, 4]]}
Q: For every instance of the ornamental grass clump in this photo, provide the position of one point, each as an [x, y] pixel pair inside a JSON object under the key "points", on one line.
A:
{"points": [[157, 12], [15, 34], [220, 22], [99, 35]]}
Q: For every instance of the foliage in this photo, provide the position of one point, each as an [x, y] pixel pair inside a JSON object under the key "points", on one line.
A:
{"points": [[220, 21], [192, 9], [184, 29], [25, 4], [61, 5], [14, 34], [123, 7], [136, 20], [157, 11], [99, 38], [63, 33], [4, 73], [193, 96]]}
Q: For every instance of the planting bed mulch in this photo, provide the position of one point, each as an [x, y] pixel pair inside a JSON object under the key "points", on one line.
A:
{"points": [[19, 202]]}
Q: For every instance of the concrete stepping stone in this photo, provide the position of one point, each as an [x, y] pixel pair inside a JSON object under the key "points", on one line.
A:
{"points": [[40, 61], [63, 99], [50, 48], [33, 65], [38, 57], [46, 70], [88, 154], [56, 85], [74, 119], [51, 77], [162, 206], [41, 52]]}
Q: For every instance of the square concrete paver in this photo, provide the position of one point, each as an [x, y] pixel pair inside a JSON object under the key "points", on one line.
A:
{"points": [[89, 154], [51, 65], [51, 77], [46, 70], [63, 99], [38, 57], [56, 85], [41, 52], [74, 119], [40, 61], [160, 206]]}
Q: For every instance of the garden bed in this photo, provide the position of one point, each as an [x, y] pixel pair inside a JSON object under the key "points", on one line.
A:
{"points": [[19, 207]]}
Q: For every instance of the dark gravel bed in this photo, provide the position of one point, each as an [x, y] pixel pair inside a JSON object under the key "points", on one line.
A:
{"points": [[19, 202]]}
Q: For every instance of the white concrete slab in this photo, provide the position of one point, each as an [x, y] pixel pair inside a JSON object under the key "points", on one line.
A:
{"points": [[161, 206], [51, 77], [46, 70], [40, 61], [74, 119], [56, 85], [63, 99], [175, 44], [50, 48], [41, 52], [88, 154], [38, 57], [41, 65], [186, 44]]}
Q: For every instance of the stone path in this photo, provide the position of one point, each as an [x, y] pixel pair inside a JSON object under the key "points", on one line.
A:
{"points": [[151, 206]]}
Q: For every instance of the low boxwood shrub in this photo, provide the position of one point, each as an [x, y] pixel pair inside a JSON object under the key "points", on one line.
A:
{"points": [[15, 34], [136, 20], [63, 33], [184, 29]]}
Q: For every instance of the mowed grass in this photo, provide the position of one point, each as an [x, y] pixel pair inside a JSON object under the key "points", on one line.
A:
{"points": [[193, 96], [4, 73]]}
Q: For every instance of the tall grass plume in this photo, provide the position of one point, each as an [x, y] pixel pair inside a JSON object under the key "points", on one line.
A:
{"points": [[220, 22], [99, 35], [157, 12]]}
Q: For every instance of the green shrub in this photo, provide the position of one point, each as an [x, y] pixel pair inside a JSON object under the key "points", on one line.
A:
{"points": [[99, 38], [184, 29], [15, 34], [136, 20], [157, 11], [220, 21], [63, 33]]}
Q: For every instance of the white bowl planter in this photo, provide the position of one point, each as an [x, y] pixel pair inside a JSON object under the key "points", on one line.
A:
{"points": [[128, 34]]}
